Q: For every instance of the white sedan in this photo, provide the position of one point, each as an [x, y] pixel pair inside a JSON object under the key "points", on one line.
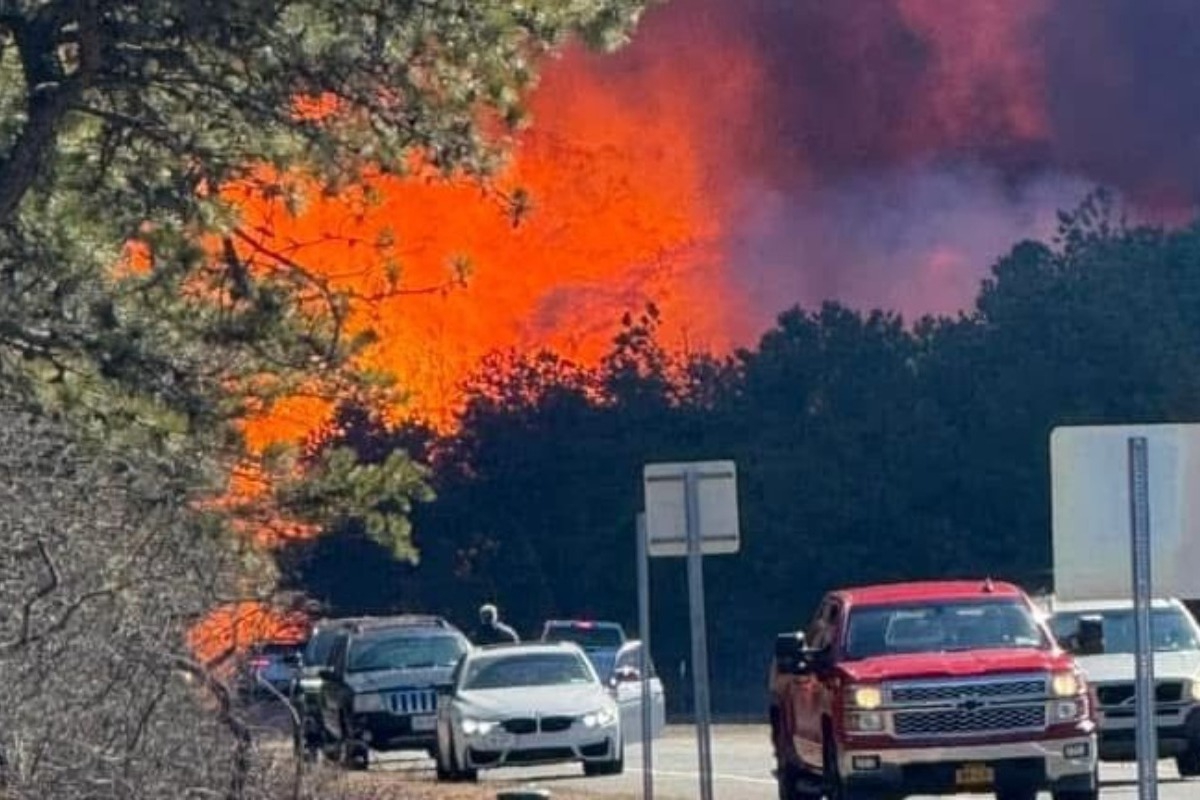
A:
{"points": [[516, 705]]}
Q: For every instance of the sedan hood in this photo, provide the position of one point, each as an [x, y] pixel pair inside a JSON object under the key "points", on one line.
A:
{"points": [[528, 701], [955, 665], [384, 679], [1121, 667]]}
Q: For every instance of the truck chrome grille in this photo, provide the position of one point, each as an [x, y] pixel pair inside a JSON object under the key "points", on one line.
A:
{"points": [[1118, 694], [955, 690], [967, 706], [413, 701], [955, 722]]}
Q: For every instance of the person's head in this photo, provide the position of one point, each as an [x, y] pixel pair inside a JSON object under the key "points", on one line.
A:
{"points": [[488, 614]]}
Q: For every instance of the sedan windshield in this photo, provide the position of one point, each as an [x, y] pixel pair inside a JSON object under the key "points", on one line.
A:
{"points": [[527, 669], [404, 651], [1171, 629], [941, 627]]}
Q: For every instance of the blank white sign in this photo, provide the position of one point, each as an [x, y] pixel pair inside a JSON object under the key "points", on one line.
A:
{"points": [[1091, 510], [666, 507]]}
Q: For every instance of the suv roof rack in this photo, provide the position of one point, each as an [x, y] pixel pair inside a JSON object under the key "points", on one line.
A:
{"points": [[400, 621]]}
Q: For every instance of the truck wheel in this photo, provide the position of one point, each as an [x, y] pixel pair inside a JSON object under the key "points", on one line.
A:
{"points": [[788, 778], [1188, 763], [1024, 794], [835, 787]]}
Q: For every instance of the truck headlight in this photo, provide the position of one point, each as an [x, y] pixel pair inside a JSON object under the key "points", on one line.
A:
{"points": [[365, 703], [477, 727], [1195, 689], [867, 698], [598, 719], [1065, 684]]}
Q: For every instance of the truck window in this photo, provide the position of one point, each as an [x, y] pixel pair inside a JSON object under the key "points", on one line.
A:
{"points": [[941, 627], [823, 629], [1171, 629]]}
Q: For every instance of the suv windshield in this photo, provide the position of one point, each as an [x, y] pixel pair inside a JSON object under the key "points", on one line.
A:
{"points": [[317, 650], [941, 627], [527, 669], [1171, 629], [589, 637], [403, 650]]}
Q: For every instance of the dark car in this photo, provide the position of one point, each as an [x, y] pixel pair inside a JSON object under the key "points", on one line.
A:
{"points": [[306, 689], [601, 641], [380, 686], [272, 663]]}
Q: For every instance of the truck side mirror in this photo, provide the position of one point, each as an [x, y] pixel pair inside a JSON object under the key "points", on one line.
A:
{"points": [[791, 653], [1089, 637]]}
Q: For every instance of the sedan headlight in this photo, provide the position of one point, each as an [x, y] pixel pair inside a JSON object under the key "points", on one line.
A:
{"points": [[477, 727], [366, 703], [601, 718], [1065, 684], [867, 698]]}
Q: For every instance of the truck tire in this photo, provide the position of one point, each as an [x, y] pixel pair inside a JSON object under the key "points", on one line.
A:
{"points": [[788, 779], [1019, 794], [835, 787], [1188, 762]]}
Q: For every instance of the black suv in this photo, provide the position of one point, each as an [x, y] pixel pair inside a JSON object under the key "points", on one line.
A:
{"points": [[379, 689]]}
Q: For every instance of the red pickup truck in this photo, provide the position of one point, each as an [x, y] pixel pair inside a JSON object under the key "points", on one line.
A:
{"points": [[930, 688]]}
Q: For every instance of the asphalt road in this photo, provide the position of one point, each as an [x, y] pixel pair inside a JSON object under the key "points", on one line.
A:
{"points": [[742, 767]]}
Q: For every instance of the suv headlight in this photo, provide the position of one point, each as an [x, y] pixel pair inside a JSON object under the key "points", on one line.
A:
{"points": [[598, 719], [1065, 684], [365, 703], [868, 698], [477, 727]]}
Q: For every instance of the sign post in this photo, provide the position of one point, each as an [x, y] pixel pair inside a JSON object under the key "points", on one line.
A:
{"points": [[691, 510], [1139, 519], [643, 581], [1104, 501]]}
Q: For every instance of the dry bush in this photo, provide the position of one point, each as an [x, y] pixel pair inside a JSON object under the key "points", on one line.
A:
{"points": [[104, 565]]}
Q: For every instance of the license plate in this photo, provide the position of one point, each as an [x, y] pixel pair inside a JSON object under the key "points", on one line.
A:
{"points": [[426, 722], [975, 775]]}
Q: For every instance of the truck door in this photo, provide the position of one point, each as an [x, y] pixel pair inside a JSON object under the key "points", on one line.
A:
{"points": [[811, 693]]}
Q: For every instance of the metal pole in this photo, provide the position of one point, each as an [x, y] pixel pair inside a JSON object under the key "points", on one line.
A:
{"points": [[643, 579], [1139, 516], [695, 568]]}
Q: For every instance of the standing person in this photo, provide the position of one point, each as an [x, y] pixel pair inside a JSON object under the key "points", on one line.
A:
{"points": [[491, 630]]}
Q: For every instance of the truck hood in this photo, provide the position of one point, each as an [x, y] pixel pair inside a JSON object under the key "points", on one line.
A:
{"points": [[1120, 666], [383, 680], [954, 665]]}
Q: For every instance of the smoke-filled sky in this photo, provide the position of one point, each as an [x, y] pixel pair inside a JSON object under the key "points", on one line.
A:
{"points": [[885, 152], [743, 156]]}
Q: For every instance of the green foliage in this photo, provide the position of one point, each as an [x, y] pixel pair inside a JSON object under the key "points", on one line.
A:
{"points": [[120, 122]]}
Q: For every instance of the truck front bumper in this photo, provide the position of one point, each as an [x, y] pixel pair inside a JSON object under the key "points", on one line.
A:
{"points": [[1057, 764], [1177, 729]]}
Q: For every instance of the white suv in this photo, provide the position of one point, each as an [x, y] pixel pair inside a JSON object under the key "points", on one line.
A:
{"points": [[1101, 635]]}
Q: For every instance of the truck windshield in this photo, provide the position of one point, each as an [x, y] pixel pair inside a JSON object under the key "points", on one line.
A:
{"points": [[1171, 629], [941, 627]]}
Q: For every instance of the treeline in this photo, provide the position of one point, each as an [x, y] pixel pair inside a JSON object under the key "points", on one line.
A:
{"points": [[867, 450]]}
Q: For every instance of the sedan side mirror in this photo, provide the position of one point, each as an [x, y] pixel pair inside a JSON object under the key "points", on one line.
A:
{"points": [[327, 674], [626, 675]]}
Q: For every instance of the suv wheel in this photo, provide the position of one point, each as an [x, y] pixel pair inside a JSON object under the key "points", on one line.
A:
{"points": [[1188, 762]]}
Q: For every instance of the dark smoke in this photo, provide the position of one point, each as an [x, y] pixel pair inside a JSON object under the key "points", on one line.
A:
{"points": [[893, 149]]}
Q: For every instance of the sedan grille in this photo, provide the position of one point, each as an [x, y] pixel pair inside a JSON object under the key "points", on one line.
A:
{"points": [[413, 701], [556, 724], [958, 722], [520, 725]]}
